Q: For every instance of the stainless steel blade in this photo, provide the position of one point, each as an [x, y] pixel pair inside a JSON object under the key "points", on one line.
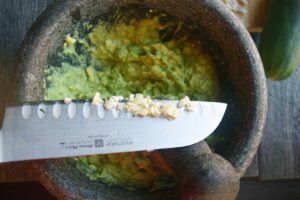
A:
{"points": [[54, 129]]}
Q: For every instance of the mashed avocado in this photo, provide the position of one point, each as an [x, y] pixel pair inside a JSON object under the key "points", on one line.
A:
{"points": [[137, 56]]}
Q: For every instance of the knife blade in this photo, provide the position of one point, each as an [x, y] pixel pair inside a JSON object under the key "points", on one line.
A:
{"points": [[53, 130]]}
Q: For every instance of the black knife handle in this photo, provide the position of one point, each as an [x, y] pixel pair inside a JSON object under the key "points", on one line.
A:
{"points": [[201, 174]]}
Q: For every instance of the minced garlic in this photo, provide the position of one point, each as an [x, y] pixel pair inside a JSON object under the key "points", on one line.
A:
{"points": [[69, 40], [142, 106], [142, 112], [67, 100], [110, 104], [186, 103], [154, 112], [97, 99], [169, 111], [120, 106]]}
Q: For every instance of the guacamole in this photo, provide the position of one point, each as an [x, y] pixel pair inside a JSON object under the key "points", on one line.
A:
{"points": [[148, 56]]}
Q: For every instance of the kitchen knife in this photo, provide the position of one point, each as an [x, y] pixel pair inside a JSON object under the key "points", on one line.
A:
{"points": [[43, 130]]}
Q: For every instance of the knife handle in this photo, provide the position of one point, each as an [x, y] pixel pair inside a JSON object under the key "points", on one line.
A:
{"points": [[201, 174]]}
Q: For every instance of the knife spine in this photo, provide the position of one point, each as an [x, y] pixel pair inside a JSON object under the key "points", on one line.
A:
{"points": [[57, 109], [72, 110], [84, 109]]}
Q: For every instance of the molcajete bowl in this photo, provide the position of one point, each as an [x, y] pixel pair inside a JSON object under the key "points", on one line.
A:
{"points": [[242, 83]]}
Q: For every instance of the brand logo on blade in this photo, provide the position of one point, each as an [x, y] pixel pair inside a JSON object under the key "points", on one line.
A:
{"points": [[83, 144], [99, 143], [121, 142]]}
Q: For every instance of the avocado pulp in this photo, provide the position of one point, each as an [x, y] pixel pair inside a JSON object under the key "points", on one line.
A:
{"points": [[148, 56]]}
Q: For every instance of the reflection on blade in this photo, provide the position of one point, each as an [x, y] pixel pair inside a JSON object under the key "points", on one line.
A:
{"points": [[52, 130]]}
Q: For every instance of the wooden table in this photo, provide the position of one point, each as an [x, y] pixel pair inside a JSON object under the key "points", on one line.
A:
{"points": [[279, 153]]}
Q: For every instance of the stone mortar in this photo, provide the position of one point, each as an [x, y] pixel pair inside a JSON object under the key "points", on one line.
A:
{"points": [[244, 80]]}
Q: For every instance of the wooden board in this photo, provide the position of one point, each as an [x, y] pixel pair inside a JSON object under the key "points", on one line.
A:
{"points": [[252, 170], [250, 12], [17, 172], [279, 155], [16, 17], [256, 15]]}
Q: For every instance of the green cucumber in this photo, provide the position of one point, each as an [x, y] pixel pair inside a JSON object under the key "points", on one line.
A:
{"points": [[280, 40]]}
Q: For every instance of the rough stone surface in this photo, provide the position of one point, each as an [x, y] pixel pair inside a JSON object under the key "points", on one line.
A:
{"points": [[213, 177], [243, 84]]}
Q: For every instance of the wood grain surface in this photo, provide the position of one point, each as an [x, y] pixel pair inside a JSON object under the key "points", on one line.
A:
{"points": [[256, 14], [16, 17], [279, 153], [252, 170]]}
